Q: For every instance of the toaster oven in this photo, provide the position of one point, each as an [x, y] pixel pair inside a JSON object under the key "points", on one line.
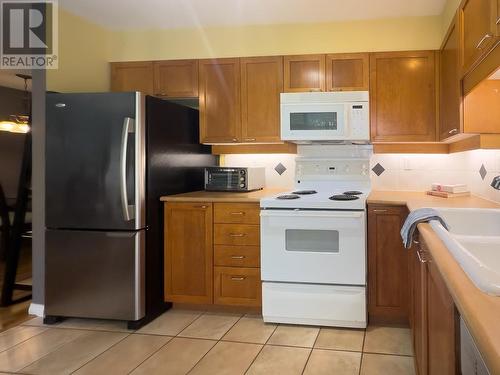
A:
{"points": [[234, 179]]}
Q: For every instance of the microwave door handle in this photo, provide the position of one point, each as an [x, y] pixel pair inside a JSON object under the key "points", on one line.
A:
{"points": [[128, 127]]}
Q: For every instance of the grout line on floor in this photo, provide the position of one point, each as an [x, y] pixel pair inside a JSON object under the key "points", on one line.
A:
{"points": [[263, 346], [20, 342], [98, 355], [362, 348], [152, 354], [219, 340], [309, 356]]}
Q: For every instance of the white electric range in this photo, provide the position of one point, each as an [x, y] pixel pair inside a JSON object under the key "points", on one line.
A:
{"points": [[313, 240]]}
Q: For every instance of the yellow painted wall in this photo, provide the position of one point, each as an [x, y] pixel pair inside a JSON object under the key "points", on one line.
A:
{"points": [[83, 56], [448, 14], [368, 35]]}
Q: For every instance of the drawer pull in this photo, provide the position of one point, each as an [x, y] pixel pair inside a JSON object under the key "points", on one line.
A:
{"points": [[238, 278], [202, 207], [238, 257], [238, 213], [453, 131], [379, 211], [237, 234], [486, 36], [250, 139]]}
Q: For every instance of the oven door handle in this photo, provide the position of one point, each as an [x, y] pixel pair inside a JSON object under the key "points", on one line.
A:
{"points": [[326, 214]]}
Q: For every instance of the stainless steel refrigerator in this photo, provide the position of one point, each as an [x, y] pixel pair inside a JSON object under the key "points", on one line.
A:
{"points": [[109, 157]]}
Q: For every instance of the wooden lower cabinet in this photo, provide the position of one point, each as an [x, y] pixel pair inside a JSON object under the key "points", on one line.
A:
{"points": [[388, 281], [237, 286], [434, 318], [188, 252], [212, 253]]}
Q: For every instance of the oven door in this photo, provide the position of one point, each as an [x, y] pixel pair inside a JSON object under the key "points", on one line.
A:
{"points": [[324, 247], [318, 121]]}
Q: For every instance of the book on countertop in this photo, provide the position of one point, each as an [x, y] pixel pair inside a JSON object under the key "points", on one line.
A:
{"points": [[456, 188], [445, 194]]}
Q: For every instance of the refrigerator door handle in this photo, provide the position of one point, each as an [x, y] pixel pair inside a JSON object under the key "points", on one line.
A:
{"points": [[128, 127]]}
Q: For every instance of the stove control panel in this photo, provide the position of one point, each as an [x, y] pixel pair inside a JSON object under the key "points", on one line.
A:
{"points": [[331, 169]]}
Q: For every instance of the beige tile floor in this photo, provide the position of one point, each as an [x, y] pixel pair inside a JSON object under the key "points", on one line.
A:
{"points": [[206, 343]]}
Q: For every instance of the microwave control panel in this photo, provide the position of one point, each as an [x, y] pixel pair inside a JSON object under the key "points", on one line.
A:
{"points": [[359, 114]]}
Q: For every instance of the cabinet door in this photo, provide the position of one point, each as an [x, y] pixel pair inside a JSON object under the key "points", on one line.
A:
{"points": [[304, 73], [176, 79], [132, 76], [419, 307], [188, 252], [261, 85], [450, 91], [388, 281], [347, 72], [478, 33], [441, 325], [219, 90], [403, 96]]}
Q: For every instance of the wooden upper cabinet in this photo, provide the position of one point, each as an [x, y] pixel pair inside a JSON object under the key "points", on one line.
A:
{"points": [[219, 92], [388, 264], [450, 100], [479, 30], [347, 72], [403, 96], [261, 85], [132, 76], [176, 79], [188, 252], [304, 73]]}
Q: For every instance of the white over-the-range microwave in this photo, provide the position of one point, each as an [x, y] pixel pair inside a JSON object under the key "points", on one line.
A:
{"points": [[325, 117]]}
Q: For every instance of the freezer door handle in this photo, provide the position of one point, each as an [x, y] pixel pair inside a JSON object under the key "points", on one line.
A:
{"points": [[128, 127]]}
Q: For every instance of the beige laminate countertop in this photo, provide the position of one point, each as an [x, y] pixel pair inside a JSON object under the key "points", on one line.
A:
{"points": [[221, 196], [479, 310]]}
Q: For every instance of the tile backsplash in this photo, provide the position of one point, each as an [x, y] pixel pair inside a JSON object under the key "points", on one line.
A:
{"points": [[416, 172], [410, 172]]}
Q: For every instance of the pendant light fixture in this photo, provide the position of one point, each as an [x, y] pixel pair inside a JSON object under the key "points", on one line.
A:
{"points": [[19, 123]]}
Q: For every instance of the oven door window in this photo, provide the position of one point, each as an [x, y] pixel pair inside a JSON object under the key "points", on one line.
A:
{"points": [[313, 121], [305, 240]]}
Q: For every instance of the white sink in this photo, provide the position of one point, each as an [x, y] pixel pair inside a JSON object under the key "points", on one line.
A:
{"points": [[474, 241]]}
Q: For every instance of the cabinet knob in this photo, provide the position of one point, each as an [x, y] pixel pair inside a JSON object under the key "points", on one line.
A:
{"points": [[486, 36], [453, 131]]}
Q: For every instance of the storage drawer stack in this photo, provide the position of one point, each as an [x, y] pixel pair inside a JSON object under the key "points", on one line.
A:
{"points": [[237, 254]]}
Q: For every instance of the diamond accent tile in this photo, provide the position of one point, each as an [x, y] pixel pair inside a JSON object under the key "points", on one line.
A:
{"points": [[482, 171], [280, 169], [378, 169]]}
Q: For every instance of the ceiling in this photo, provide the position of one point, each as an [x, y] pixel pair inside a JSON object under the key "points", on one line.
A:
{"points": [[8, 78], [168, 14]]}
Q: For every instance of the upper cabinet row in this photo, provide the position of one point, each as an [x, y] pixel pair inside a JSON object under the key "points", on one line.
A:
{"points": [[239, 98]]}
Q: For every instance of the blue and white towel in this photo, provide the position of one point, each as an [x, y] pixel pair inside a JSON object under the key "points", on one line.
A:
{"points": [[422, 215]]}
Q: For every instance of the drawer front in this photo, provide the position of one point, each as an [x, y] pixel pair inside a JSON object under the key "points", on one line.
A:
{"points": [[236, 234], [237, 256], [237, 213], [237, 286]]}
